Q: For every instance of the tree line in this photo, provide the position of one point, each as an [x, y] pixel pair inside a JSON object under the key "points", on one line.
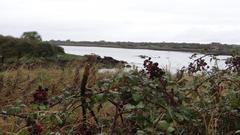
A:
{"points": [[30, 44]]}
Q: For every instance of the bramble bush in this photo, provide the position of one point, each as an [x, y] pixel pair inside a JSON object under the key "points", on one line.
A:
{"points": [[197, 100]]}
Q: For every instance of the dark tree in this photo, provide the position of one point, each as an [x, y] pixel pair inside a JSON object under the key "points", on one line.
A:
{"points": [[32, 36]]}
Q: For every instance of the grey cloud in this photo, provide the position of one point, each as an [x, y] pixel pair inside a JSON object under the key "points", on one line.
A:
{"points": [[124, 20]]}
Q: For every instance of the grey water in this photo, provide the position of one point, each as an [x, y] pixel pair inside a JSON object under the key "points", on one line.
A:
{"points": [[169, 60]]}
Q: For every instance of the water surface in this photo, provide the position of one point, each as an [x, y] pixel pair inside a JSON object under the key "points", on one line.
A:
{"points": [[170, 60]]}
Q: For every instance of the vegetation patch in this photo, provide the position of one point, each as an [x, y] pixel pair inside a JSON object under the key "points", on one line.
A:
{"points": [[75, 100]]}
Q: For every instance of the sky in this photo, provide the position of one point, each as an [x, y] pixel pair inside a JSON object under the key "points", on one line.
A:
{"points": [[202, 21]]}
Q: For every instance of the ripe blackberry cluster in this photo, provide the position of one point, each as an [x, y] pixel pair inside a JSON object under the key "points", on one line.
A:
{"points": [[36, 128], [152, 69], [41, 96], [234, 63], [198, 65]]}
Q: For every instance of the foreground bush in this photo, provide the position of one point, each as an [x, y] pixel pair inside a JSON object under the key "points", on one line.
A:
{"points": [[197, 100]]}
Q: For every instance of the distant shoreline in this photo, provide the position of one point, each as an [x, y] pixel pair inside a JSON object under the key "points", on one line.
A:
{"points": [[213, 48]]}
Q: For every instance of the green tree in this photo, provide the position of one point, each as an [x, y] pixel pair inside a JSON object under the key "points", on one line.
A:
{"points": [[32, 36]]}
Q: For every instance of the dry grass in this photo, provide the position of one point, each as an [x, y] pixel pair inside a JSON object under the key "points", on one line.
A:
{"points": [[19, 85]]}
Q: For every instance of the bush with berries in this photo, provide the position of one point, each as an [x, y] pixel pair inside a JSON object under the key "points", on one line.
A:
{"points": [[149, 101]]}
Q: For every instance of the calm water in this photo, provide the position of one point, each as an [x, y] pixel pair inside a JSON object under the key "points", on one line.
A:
{"points": [[170, 60]]}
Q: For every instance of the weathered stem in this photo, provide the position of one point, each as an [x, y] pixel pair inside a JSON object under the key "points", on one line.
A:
{"points": [[112, 128], [1, 82], [82, 92], [93, 115]]}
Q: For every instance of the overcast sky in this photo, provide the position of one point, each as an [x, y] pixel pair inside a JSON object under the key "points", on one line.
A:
{"points": [[124, 20]]}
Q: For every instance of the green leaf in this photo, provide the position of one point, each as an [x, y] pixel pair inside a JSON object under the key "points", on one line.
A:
{"points": [[14, 110], [42, 107], [170, 129], [138, 106], [22, 132], [99, 97], [66, 93], [34, 106], [164, 125], [58, 119], [136, 97], [100, 83], [140, 132], [136, 117], [130, 107], [115, 94]]}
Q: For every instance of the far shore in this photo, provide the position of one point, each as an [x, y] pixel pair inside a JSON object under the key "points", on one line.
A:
{"points": [[212, 49]]}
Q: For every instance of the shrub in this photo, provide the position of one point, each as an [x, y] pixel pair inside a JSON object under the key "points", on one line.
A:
{"points": [[15, 47]]}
